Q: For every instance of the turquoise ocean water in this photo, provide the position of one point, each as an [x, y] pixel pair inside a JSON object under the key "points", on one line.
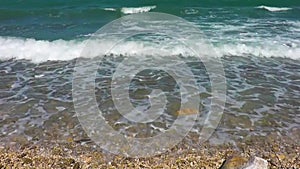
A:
{"points": [[258, 42], [230, 24]]}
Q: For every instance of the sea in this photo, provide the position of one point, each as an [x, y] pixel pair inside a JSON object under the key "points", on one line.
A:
{"points": [[257, 42]]}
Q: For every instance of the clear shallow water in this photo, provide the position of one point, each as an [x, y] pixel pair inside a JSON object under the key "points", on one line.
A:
{"points": [[258, 42], [262, 98]]}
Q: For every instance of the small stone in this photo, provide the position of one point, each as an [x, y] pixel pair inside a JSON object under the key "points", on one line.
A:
{"points": [[21, 155], [113, 163], [70, 140], [76, 166], [87, 159], [281, 157], [239, 162], [27, 160], [276, 148], [273, 155], [236, 162], [188, 111], [257, 163], [57, 151], [68, 161]]}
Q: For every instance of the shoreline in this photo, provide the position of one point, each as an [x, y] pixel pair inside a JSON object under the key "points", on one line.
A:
{"points": [[279, 152]]}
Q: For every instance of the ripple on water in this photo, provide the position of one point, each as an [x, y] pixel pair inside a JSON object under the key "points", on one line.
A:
{"points": [[263, 96]]}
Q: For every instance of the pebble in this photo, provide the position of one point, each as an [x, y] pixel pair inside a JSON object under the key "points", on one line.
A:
{"points": [[76, 166], [187, 111], [236, 162], [27, 160], [257, 163], [239, 162]]}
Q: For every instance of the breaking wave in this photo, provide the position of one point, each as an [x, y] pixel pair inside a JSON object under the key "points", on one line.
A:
{"points": [[42, 50], [132, 10]]}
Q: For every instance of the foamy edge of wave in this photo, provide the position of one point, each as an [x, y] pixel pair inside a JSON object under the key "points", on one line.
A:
{"points": [[273, 9], [132, 10], [110, 9], [259, 51], [41, 51]]}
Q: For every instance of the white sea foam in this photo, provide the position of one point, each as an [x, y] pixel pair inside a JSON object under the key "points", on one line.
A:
{"points": [[41, 50], [132, 10], [273, 9], [191, 11], [110, 9], [261, 51]]}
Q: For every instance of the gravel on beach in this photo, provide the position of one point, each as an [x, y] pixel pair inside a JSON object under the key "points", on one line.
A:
{"points": [[280, 153]]}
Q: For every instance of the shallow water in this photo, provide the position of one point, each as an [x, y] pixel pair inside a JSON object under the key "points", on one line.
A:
{"points": [[263, 97]]}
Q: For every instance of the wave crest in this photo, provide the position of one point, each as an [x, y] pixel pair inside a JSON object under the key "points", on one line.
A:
{"points": [[273, 9], [41, 50], [133, 10]]}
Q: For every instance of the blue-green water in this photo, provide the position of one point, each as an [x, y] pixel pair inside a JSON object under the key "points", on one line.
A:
{"points": [[258, 42], [266, 28], [231, 24]]}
